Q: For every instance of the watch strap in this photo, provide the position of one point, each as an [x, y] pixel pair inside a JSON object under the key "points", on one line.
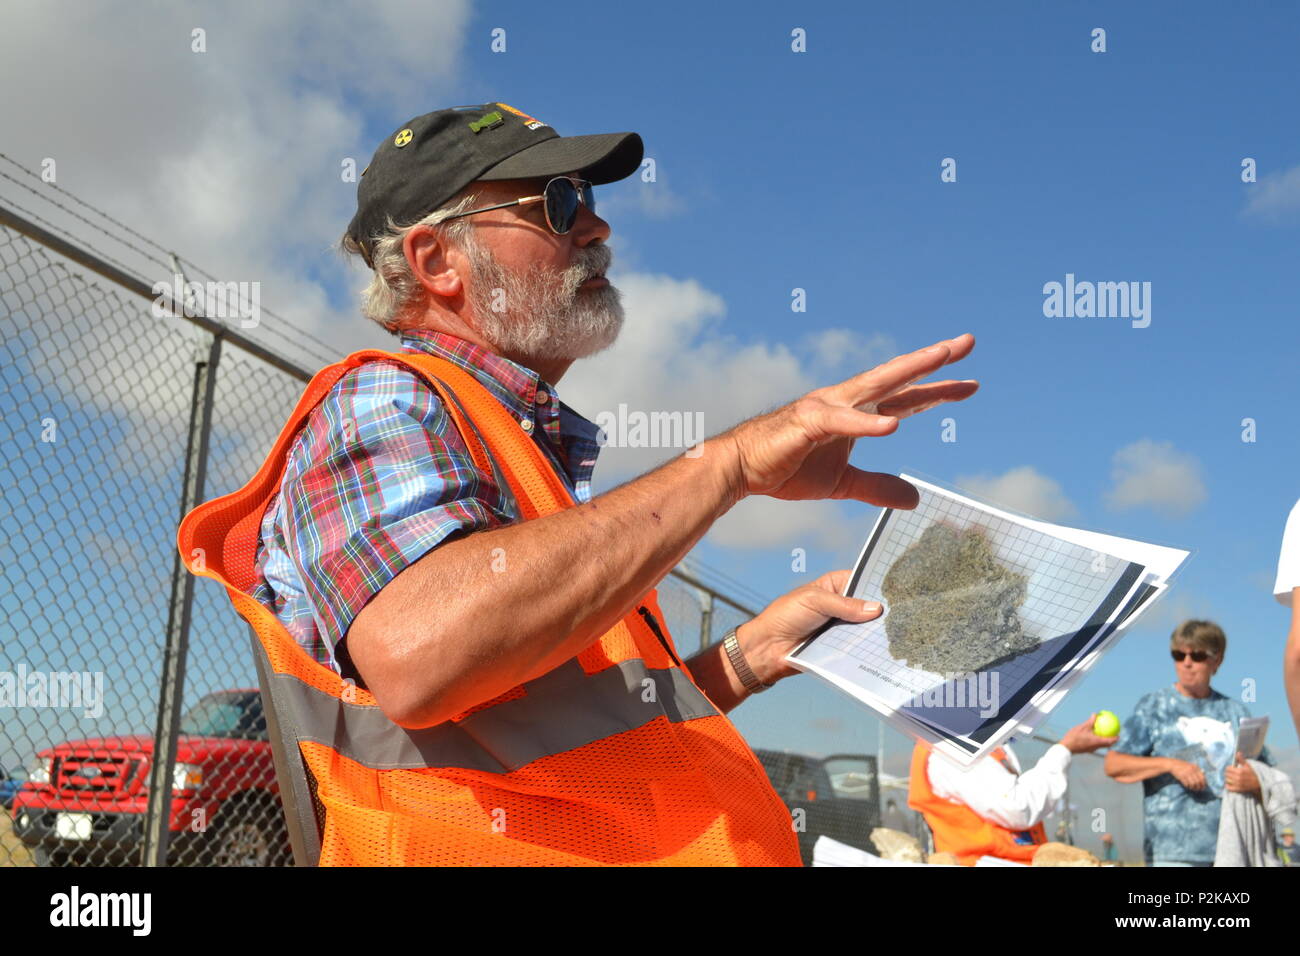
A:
{"points": [[741, 666]]}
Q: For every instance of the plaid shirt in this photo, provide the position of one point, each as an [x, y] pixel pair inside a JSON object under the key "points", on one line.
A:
{"points": [[379, 476]]}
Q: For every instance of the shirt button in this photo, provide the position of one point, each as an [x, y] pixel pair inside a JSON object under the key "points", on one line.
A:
{"points": [[526, 424], [543, 396]]}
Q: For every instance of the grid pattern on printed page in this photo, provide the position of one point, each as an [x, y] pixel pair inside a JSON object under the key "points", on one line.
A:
{"points": [[1063, 588]]}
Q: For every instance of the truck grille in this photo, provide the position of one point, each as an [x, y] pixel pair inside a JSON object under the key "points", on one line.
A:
{"points": [[98, 774]]}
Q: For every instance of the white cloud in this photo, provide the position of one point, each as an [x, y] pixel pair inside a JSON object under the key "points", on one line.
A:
{"points": [[760, 522], [1021, 489], [1276, 196], [1155, 475], [675, 354], [837, 347], [231, 157], [1176, 606], [656, 200]]}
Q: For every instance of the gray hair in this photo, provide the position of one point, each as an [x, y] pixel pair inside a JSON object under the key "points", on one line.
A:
{"points": [[393, 289]]}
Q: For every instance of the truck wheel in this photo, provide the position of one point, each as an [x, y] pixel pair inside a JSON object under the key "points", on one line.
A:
{"points": [[249, 831]]}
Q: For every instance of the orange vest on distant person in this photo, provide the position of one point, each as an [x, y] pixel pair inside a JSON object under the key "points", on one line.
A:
{"points": [[960, 830], [615, 757]]}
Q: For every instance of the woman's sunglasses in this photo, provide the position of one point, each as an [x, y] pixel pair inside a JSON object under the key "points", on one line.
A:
{"points": [[562, 196], [1199, 656]]}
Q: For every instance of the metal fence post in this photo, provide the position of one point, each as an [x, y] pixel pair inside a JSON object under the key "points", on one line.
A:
{"points": [[880, 745], [706, 624], [706, 620], [171, 691]]}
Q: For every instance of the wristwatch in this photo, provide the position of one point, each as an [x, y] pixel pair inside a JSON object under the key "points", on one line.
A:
{"points": [[741, 666]]}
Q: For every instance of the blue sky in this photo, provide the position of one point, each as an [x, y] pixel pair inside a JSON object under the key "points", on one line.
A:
{"points": [[820, 170]]}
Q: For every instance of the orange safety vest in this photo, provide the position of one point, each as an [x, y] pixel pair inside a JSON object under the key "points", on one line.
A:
{"points": [[960, 830], [615, 757]]}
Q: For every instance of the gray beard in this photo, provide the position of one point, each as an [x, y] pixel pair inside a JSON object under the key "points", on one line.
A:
{"points": [[541, 315]]}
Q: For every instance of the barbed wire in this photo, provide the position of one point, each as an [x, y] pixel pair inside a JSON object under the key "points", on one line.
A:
{"points": [[705, 571], [329, 353], [75, 215], [42, 221], [121, 225], [328, 349]]}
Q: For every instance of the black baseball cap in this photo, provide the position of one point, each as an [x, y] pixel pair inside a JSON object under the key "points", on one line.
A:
{"points": [[429, 159]]}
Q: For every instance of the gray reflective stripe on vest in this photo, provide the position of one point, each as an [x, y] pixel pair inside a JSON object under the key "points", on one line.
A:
{"points": [[562, 710]]}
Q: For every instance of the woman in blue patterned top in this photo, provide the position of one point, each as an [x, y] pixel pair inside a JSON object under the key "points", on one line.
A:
{"points": [[1181, 743]]}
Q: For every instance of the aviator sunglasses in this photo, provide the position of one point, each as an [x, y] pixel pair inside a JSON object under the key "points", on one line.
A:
{"points": [[1199, 656], [561, 195]]}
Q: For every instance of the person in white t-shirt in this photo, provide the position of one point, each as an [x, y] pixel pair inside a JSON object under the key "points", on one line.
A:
{"points": [[1287, 590]]}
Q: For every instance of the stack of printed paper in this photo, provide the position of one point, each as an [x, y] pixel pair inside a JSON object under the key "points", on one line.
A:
{"points": [[989, 617]]}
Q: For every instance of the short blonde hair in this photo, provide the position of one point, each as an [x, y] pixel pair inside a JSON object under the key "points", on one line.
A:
{"points": [[1200, 636]]}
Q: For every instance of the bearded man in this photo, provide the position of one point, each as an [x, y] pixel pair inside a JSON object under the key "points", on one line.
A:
{"points": [[464, 647]]}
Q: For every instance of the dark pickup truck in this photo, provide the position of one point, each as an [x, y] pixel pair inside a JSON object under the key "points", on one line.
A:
{"points": [[838, 796]]}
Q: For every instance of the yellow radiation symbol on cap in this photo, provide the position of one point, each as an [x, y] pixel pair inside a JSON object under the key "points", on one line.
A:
{"points": [[402, 138]]}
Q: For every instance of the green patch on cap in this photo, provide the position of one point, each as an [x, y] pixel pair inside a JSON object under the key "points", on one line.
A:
{"points": [[487, 122]]}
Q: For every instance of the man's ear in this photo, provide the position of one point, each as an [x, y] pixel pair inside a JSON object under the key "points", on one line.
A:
{"points": [[426, 254]]}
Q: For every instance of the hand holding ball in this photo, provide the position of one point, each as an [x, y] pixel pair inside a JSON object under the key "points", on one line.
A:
{"points": [[1106, 724], [1093, 734]]}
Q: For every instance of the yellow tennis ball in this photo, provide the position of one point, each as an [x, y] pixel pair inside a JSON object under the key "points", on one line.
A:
{"points": [[1106, 725]]}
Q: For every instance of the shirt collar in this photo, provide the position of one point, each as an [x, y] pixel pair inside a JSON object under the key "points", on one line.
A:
{"points": [[518, 388], [513, 384]]}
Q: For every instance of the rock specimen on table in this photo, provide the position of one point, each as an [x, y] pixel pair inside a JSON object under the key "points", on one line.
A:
{"points": [[952, 606], [1062, 854], [943, 858], [896, 845]]}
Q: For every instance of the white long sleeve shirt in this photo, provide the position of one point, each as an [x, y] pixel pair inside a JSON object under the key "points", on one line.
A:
{"points": [[1016, 801]]}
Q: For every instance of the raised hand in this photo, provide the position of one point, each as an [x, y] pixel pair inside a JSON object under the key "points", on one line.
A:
{"points": [[801, 450]]}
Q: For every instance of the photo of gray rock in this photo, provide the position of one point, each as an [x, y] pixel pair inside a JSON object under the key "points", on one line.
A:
{"points": [[974, 591], [952, 606]]}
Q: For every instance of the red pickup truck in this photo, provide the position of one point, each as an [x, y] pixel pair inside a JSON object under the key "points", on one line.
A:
{"points": [[84, 801]]}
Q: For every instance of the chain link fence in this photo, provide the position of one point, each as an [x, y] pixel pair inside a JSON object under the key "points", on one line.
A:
{"points": [[133, 731], [96, 400]]}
